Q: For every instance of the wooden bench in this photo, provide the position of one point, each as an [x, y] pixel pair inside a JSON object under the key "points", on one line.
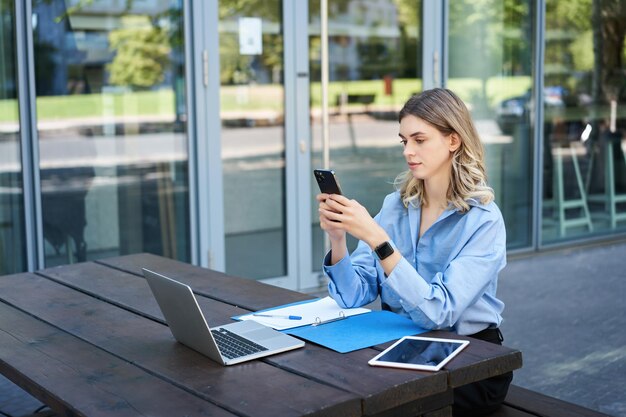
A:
{"points": [[521, 402]]}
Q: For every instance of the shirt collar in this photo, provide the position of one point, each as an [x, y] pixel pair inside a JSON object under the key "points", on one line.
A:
{"points": [[472, 202], [475, 203]]}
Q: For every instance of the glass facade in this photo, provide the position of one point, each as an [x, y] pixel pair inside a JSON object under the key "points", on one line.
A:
{"points": [[490, 67], [121, 144], [584, 170], [374, 67], [12, 233], [110, 96]]}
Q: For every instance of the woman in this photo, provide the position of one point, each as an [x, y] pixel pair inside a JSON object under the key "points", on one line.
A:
{"points": [[434, 251]]}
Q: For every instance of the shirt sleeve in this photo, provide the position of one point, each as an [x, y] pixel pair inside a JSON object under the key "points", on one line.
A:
{"points": [[354, 279], [438, 302]]}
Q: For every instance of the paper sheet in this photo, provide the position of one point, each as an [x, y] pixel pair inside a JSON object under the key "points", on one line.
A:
{"points": [[317, 310]]}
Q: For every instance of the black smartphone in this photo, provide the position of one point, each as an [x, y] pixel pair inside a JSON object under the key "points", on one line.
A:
{"points": [[327, 181]]}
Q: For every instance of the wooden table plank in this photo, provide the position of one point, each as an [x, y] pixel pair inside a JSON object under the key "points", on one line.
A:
{"points": [[244, 389], [378, 387], [129, 291], [479, 360], [381, 389], [245, 293], [506, 411], [86, 380], [438, 405]]}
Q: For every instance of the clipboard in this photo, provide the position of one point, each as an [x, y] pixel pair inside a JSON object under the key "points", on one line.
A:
{"points": [[358, 332]]}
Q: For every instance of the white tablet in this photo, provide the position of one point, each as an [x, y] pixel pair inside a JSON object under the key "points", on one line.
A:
{"points": [[423, 353]]}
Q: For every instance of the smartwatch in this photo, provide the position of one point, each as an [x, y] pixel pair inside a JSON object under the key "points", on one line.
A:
{"points": [[384, 250]]}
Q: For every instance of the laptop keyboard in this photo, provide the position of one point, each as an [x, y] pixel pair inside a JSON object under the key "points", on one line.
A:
{"points": [[234, 346]]}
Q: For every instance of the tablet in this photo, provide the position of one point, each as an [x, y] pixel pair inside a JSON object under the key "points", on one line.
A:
{"points": [[423, 353]]}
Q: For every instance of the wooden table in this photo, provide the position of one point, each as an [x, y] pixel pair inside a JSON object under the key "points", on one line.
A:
{"points": [[89, 339]]}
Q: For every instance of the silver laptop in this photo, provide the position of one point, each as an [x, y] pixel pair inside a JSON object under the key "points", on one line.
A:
{"points": [[227, 344]]}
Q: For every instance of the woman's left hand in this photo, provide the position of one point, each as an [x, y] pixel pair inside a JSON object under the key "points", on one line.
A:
{"points": [[354, 219]]}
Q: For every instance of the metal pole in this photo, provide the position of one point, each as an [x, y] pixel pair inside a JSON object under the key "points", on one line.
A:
{"points": [[29, 137], [538, 117], [324, 70]]}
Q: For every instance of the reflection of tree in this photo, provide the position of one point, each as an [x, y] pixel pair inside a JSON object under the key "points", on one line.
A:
{"points": [[376, 56], [143, 50], [239, 69], [379, 56], [267, 9], [8, 87], [609, 25], [599, 27], [141, 58], [410, 38], [487, 38]]}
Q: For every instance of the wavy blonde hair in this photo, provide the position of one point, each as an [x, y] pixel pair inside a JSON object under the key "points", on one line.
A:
{"points": [[445, 111]]}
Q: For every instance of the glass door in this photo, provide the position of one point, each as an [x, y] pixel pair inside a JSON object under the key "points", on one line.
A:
{"points": [[252, 110]]}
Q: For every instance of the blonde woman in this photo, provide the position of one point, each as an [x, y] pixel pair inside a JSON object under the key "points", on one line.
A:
{"points": [[434, 251]]}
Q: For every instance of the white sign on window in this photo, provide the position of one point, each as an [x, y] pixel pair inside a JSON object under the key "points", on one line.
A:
{"points": [[250, 36]]}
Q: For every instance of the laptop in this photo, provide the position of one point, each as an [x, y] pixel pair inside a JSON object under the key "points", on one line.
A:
{"points": [[227, 344]]}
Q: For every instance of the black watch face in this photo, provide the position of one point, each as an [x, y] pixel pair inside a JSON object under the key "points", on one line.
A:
{"points": [[384, 250]]}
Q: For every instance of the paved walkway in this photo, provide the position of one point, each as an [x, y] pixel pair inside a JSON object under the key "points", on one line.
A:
{"points": [[14, 402], [566, 312]]}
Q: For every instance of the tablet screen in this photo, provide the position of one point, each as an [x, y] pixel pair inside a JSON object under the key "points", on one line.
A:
{"points": [[423, 353]]}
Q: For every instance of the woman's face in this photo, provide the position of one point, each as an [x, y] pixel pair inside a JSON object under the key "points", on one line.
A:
{"points": [[427, 151]]}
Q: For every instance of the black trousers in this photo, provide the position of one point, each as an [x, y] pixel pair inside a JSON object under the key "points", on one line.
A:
{"points": [[484, 397]]}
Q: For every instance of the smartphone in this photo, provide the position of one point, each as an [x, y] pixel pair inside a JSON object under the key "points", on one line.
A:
{"points": [[327, 181]]}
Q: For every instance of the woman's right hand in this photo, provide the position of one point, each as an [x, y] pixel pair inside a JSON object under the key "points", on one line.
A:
{"points": [[335, 234]]}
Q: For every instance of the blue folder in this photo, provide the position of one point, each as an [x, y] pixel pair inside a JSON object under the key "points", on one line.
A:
{"points": [[358, 332]]}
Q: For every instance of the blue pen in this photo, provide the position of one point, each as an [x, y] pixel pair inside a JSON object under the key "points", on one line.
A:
{"points": [[278, 316]]}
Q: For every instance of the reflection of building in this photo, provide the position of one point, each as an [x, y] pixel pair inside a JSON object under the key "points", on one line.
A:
{"points": [[55, 46]]}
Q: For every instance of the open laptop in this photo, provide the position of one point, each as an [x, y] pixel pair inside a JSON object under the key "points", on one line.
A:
{"points": [[227, 344]]}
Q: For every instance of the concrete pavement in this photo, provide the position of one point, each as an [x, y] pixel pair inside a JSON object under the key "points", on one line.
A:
{"points": [[566, 311]]}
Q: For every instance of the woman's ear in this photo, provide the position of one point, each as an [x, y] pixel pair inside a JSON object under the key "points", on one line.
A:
{"points": [[455, 142]]}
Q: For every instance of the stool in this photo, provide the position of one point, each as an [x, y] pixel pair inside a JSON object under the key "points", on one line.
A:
{"points": [[562, 203], [610, 198]]}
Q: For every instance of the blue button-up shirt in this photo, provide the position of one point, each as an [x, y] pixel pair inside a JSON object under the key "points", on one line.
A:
{"points": [[447, 278]]}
